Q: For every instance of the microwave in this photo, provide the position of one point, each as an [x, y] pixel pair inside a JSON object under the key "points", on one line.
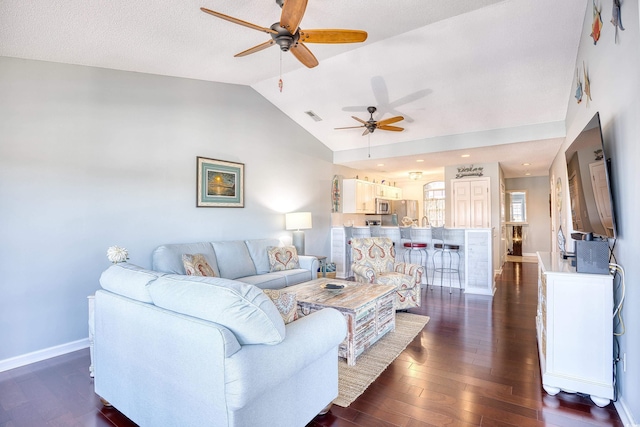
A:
{"points": [[383, 206]]}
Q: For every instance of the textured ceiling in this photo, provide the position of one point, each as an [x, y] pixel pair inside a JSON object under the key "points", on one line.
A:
{"points": [[450, 67]]}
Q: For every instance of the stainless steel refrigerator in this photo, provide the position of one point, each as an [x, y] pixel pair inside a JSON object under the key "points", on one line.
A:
{"points": [[400, 209]]}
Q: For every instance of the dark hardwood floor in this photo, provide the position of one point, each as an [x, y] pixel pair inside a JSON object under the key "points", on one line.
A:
{"points": [[474, 364]]}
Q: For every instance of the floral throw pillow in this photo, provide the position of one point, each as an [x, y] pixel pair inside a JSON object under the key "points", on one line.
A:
{"points": [[282, 258], [197, 265], [286, 303]]}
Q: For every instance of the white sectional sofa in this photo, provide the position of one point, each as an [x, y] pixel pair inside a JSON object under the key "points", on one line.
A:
{"points": [[176, 350], [243, 260]]}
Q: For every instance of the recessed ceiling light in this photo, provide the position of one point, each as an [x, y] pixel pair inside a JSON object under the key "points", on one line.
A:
{"points": [[466, 155], [526, 164], [419, 160], [380, 164]]}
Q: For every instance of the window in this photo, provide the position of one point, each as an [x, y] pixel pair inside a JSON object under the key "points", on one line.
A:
{"points": [[517, 204], [434, 202]]}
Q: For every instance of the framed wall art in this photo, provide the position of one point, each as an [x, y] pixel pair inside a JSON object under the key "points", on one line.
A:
{"points": [[220, 184]]}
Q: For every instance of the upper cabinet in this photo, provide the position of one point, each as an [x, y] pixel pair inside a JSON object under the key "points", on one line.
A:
{"points": [[388, 192], [358, 196]]}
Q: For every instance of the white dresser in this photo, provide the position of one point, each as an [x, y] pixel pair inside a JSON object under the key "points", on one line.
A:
{"points": [[574, 323]]}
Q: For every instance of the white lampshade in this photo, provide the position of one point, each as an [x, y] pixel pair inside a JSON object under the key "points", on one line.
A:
{"points": [[298, 220]]}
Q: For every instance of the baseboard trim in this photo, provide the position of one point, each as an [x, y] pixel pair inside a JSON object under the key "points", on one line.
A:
{"points": [[40, 355], [624, 413]]}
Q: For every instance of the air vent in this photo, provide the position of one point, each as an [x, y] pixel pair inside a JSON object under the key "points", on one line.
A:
{"points": [[313, 115]]}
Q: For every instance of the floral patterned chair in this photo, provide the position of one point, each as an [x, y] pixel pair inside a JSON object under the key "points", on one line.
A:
{"points": [[374, 261]]}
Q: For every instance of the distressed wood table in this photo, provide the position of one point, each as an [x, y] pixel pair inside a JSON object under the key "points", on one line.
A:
{"points": [[368, 309]]}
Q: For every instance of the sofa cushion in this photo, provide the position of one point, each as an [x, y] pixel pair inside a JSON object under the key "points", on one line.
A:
{"points": [[128, 280], [266, 281], [286, 303], [197, 265], [168, 258], [298, 275], [244, 309], [233, 259], [283, 258], [258, 251]]}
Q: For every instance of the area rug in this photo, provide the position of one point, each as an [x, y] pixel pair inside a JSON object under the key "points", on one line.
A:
{"points": [[354, 380]]}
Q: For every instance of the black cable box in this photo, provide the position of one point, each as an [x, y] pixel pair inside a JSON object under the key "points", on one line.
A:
{"points": [[592, 256]]}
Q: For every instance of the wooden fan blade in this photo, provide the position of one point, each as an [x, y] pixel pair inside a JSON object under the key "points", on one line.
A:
{"points": [[360, 120], [238, 21], [304, 55], [333, 36], [366, 131], [292, 12], [389, 121], [391, 128], [255, 49], [351, 127]]}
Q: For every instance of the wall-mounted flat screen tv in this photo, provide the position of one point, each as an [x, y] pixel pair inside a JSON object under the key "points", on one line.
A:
{"points": [[588, 170]]}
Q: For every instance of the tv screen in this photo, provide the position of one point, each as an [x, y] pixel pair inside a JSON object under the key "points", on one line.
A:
{"points": [[589, 183]]}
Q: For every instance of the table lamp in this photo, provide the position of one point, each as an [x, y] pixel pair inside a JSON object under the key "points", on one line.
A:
{"points": [[298, 221]]}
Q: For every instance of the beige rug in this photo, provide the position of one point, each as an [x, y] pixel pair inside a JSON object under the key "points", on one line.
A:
{"points": [[354, 380]]}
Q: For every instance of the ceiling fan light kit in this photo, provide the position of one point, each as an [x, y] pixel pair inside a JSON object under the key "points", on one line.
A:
{"points": [[289, 37]]}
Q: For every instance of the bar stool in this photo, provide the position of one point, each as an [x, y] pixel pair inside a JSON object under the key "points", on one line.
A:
{"points": [[441, 247], [410, 247]]}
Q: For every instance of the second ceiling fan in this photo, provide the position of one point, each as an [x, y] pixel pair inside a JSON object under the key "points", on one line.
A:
{"points": [[289, 36], [371, 125]]}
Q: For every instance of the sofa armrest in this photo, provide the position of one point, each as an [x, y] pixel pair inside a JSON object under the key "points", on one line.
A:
{"points": [[149, 362], [308, 262], [256, 369], [363, 273], [414, 270]]}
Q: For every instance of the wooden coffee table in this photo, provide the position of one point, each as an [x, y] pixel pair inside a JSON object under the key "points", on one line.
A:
{"points": [[369, 310]]}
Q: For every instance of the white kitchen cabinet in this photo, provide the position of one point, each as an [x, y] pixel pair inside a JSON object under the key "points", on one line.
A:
{"points": [[388, 192], [358, 196], [574, 324]]}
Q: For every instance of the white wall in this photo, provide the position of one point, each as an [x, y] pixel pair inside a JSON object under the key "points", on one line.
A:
{"points": [[614, 71], [91, 158], [536, 235]]}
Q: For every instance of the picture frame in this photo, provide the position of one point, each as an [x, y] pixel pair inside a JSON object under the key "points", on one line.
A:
{"points": [[220, 184]]}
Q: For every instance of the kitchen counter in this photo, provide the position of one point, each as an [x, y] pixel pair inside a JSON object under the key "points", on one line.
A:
{"points": [[476, 267]]}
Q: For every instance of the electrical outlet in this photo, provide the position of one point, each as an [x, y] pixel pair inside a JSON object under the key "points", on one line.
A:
{"points": [[624, 362]]}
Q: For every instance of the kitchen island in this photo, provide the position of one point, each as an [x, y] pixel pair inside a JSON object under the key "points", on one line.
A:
{"points": [[476, 267]]}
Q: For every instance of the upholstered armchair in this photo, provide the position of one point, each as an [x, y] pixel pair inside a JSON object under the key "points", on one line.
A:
{"points": [[374, 261]]}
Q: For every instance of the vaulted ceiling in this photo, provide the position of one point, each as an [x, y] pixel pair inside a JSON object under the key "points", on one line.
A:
{"points": [[487, 78]]}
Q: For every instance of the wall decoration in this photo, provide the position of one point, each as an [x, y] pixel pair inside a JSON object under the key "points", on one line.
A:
{"points": [[219, 184], [465, 171], [587, 84], [597, 154], [578, 87], [335, 194], [596, 26], [561, 240], [559, 196], [616, 18]]}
